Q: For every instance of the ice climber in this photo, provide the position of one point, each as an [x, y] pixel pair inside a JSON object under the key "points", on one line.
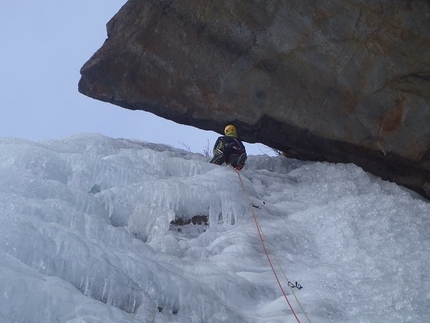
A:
{"points": [[229, 149]]}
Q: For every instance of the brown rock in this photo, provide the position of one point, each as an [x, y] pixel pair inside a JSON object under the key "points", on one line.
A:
{"points": [[342, 81]]}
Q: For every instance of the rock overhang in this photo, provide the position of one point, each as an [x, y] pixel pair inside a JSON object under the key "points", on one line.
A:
{"points": [[340, 81]]}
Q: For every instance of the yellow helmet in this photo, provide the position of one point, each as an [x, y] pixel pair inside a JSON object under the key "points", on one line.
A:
{"points": [[230, 131]]}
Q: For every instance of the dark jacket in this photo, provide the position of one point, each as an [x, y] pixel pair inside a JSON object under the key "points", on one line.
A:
{"points": [[229, 150]]}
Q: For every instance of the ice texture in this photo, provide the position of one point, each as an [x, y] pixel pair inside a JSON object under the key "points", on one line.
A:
{"points": [[86, 235]]}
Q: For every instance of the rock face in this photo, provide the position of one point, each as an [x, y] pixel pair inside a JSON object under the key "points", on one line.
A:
{"points": [[341, 80]]}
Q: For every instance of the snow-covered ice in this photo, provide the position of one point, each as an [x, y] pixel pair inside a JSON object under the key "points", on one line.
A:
{"points": [[86, 236]]}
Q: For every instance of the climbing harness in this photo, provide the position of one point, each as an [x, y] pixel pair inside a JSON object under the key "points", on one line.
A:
{"points": [[260, 233]]}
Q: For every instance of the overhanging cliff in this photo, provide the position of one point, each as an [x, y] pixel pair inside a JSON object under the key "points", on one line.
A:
{"points": [[342, 81]]}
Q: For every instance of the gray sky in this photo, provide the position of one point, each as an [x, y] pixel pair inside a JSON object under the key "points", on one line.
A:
{"points": [[44, 43]]}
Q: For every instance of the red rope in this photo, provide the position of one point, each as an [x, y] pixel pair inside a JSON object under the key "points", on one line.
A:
{"points": [[264, 248]]}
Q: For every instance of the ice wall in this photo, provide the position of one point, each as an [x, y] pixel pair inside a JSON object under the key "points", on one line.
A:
{"points": [[85, 236]]}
